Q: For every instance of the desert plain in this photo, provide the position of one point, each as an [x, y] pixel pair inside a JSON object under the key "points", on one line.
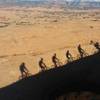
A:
{"points": [[29, 33]]}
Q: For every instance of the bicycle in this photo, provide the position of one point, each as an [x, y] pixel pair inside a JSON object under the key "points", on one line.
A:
{"points": [[24, 76], [84, 55], [59, 63]]}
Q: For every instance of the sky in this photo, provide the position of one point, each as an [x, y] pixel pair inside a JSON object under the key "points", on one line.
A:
{"points": [[50, 0], [58, 0]]}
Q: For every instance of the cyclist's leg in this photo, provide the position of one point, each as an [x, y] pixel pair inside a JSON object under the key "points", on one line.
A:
{"points": [[55, 64], [46, 68], [22, 74], [81, 55], [71, 58], [25, 74], [42, 69], [68, 60]]}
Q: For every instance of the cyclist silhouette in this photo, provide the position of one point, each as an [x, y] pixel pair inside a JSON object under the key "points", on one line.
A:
{"points": [[24, 71], [42, 65], [96, 45], [81, 51], [55, 60], [69, 56]]}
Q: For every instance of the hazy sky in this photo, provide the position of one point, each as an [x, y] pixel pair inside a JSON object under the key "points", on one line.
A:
{"points": [[51, 0], [58, 0]]}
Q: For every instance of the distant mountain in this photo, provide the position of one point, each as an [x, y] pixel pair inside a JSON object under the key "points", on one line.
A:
{"points": [[60, 3], [85, 3], [76, 3], [22, 2]]}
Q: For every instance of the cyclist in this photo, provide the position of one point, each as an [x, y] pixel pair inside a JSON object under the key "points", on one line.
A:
{"points": [[42, 65], [24, 71], [69, 56]]}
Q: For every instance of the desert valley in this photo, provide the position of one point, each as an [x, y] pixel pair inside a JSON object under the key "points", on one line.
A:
{"points": [[29, 33]]}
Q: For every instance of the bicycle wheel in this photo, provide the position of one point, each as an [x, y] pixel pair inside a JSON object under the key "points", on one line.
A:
{"points": [[29, 74], [86, 54], [21, 77], [78, 57]]}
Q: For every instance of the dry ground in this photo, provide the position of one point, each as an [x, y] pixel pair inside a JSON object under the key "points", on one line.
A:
{"points": [[26, 34]]}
